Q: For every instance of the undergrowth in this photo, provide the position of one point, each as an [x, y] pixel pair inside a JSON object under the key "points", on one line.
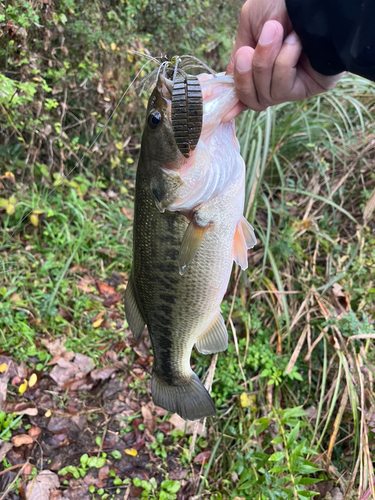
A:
{"points": [[294, 390]]}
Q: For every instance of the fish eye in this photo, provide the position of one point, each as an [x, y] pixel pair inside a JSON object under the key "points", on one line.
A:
{"points": [[154, 119]]}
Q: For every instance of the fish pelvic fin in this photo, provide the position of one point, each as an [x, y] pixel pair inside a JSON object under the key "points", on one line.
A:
{"points": [[244, 238], [215, 338], [193, 237], [190, 400], [133, 315]]}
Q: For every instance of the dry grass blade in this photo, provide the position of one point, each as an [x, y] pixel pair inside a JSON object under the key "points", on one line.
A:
{"points": [[336, 425], [369, 208], [296, 351]]}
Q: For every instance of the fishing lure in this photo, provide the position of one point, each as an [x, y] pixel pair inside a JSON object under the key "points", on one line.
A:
{"points": [[187, 106], [187, 112]]}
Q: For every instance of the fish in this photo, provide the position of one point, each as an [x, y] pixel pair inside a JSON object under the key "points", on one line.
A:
{"points": [[188, 229]]}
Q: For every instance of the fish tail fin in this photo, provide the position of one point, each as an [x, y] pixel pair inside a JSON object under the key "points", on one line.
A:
{"points": [[189, 400]]}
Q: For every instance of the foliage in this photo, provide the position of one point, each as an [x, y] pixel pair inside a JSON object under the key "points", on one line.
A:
{"points": [[300, 319], [168, 489], [285, 473]]}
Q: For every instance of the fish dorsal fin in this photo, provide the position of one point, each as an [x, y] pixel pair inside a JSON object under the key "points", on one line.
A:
{"points": [[215, 339], [244, 238], [133, 315], [193, 237]]}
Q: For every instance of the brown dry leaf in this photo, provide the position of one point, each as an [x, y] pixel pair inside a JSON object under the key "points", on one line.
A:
{"points": [[369, 208], [63, 371], [39, 489], [34, 432], [4, 448], [149, 419], [56, 347], [113, 299], [203, 457], [25, 409], [103, 473], [106, 372], [86, 284], [128, 212], [341, 298], [84, 363], [22, 439], [105, 289], [179, 424]]}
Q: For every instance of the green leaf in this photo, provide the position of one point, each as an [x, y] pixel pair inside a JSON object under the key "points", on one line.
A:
{"points": [[116, 455], [292, 436], [171, 486], [278, 455]]}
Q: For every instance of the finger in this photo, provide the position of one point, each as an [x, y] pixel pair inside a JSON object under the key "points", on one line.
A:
{"points": [[244, 35], [285, 86], [243, 79], [265, 55], [238, 108]]}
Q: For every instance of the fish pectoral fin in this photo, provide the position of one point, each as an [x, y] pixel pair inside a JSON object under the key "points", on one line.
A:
{"points": [[189, 399], [193, 237], [215, 338], [244, 238], [133, 316]]}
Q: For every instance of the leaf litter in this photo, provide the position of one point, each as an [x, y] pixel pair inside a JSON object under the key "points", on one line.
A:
{"points": [[74, 408]]}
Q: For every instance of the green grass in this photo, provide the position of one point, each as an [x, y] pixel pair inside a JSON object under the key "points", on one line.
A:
{"points": [[308, 221]]}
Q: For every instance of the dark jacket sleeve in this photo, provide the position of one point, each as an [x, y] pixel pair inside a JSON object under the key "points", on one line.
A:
{"points": [[337, 35]]}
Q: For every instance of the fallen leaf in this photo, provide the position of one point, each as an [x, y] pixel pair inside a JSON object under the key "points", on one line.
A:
{"points": [[63, 371], [4, 448], [22, 388], [25, 409], [131, 452], [97, 323], [103, 473], [179, 424], [86, 284], [106, 372], [33, 380], [34, 220], [3, 367], [39, 489], [148, 418], [22, 439], [34, 432], [341, 298], [105, 289], [203, 457], [48, 413], [113, 299], [84, 363]]}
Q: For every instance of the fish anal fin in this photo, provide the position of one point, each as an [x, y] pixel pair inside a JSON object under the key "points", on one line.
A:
{"points": [[244, 238], [133, 315], [189, 399], [193, 237], [215, 338]]}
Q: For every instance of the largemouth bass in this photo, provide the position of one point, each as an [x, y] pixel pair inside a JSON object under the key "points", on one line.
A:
{"points": [[188, 229]]}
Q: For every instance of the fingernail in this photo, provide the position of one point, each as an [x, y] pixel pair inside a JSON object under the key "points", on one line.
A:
{"points": [[292, 38], [243, 62], [268, 33]]}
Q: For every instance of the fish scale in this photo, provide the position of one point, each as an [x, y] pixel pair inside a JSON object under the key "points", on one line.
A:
{"points": [[184, 243]]}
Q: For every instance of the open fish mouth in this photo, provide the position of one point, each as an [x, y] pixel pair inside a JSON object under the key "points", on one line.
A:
{"points": [[187, 100]]}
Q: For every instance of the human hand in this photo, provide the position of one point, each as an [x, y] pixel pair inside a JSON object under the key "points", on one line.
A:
{"points": [[268, 61]]}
